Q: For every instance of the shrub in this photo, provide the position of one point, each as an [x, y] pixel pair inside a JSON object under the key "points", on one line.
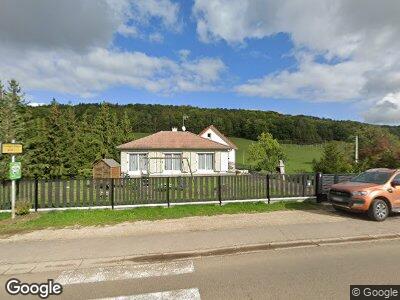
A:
{"points": [[22, 207]]}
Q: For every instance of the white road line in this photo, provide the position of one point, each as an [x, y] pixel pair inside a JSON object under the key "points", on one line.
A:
{"points": [[125, 272], [185, 294]]}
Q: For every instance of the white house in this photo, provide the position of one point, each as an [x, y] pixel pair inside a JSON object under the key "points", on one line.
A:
{"points": [[178, 153]]}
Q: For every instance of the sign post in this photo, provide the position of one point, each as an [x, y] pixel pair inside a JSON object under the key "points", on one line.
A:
{"points": [[13, 188], [14, 171]]}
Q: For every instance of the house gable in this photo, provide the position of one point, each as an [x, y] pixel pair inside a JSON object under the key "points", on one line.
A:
{"points": [[213, 134]]}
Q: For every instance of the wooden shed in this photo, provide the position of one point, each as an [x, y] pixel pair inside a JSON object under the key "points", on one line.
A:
{"points": [[106, 168]]}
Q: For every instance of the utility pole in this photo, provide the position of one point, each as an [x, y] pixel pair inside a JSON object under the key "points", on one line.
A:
{"points": [[13, 189], [356, 150]]}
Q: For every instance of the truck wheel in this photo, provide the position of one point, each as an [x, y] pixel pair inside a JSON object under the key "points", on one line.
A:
{"points": [[378, 210]]}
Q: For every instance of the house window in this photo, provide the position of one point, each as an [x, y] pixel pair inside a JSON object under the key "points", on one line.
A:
{"points": [[138, 162], [173, 161], [209, 135], [206, 161]]}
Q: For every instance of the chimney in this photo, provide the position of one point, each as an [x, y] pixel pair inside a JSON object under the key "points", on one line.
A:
{"points": [[174, 129]]}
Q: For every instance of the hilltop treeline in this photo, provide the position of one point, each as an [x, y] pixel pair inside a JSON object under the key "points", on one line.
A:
{"points": [[64, 140], [242, 123]]}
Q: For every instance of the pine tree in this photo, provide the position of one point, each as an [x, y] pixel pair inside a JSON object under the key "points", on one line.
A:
{"points": [[68, 132], [35, 159], [12, 119], [126, 129], [105, 130], [12, 109], [55, 146], [88, 145], [334, 160]]}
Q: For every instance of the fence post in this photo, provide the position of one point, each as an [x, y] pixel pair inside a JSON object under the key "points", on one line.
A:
{"points": [[36, 193], [268, 190], [168, 192], [17, 188], [219, 190], [304, 183], [112, 193], [318, 182], [335, 178]]}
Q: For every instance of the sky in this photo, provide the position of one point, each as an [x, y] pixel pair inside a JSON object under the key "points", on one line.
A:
{"points": [[333, 59]]}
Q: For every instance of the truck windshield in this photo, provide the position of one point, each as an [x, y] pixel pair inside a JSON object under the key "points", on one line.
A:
{"points": [[372, 177]]}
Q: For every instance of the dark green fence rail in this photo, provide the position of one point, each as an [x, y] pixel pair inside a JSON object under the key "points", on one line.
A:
{"points": [[48, 194]]}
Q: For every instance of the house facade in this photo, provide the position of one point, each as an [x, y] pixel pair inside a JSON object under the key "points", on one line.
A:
{"points": [[178, 153]]}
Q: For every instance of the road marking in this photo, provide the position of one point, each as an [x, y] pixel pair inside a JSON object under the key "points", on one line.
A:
{"points": [[185, 294], [125, 272]]}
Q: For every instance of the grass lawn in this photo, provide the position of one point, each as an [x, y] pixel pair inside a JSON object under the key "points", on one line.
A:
{"points": [[60, 219]]}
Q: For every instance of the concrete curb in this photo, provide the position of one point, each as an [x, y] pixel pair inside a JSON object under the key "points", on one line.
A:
{"points": [[36, 267], [258, 247]]}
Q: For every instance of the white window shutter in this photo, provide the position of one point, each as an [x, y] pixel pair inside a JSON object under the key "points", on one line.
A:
{"points": [[217, 161]]}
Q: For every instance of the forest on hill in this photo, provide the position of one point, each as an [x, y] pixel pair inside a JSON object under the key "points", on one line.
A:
{"points": [[64, 140], [240, 123]]}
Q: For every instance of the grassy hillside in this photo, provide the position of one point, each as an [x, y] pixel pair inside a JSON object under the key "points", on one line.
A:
{"points": [[299, 157]]}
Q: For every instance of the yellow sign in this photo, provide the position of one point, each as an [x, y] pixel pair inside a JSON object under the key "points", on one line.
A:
{"points": [[11, 148]]}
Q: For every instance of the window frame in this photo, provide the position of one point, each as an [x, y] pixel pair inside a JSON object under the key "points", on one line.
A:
{"points": [[138, 155], [173, 161], [205, 162]]}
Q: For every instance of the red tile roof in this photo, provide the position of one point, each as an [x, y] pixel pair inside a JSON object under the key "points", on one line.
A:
{"points": [[226, 140], [173, 140]]}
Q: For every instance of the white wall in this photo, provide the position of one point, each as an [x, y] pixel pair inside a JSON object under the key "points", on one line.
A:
{"points": [[124, 162], [214, 137], [157, 165], [232, 155], [224, 161]]}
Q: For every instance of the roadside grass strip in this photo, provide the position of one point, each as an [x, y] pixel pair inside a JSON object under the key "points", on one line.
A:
{"points": [[184, 294], [101, 217], [113, 273]]}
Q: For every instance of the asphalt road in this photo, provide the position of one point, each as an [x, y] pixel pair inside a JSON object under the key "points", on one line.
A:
{"points": [[323, 272]]}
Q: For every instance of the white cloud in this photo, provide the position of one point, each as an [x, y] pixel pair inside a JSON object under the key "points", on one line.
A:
{"points": [[351, 46], [128, 31], [78, 25], [72, 24], [164, 10], [156, 37], [36, 104], [311, 81], [75, 73], [385, 111], [184, 53], [67, 46]]}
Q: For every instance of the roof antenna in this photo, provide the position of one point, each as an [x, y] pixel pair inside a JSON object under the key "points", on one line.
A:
{"points": [[185, 117]]}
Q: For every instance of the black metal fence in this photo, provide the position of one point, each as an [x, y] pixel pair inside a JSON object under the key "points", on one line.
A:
{"points": [[75, 193], [325, 182]]}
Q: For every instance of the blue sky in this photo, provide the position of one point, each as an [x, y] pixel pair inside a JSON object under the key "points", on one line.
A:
{"points": [[295, 58]]}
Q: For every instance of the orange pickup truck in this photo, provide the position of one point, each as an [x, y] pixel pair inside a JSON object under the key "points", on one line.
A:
{"points": [[376, 192]]}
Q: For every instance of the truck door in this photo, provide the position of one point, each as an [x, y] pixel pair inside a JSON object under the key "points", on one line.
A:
{"points": [[396, 192]]}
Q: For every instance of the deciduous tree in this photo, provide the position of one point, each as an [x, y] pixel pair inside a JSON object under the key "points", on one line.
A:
{"points": [[266, 152]]}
